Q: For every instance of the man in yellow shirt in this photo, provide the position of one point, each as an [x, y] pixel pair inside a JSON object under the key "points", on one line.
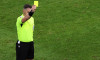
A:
{"points": [[25, 28]]}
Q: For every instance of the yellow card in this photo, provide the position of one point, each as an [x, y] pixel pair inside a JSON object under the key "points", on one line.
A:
{"points": [[36, 3]]}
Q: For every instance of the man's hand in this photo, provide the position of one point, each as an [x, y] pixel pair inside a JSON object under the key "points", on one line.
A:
{"points": [[33, 8]]}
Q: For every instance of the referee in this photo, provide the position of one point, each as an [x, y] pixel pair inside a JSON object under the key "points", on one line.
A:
{"points": [[25, 28]]}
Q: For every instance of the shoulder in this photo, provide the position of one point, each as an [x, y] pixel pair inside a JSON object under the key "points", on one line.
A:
{"points": [[20, 17], [32, 18]]}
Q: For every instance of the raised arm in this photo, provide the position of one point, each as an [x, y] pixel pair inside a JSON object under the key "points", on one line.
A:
{"points": [[28, 15]]}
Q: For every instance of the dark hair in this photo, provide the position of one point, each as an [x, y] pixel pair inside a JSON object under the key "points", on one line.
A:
{"points": [[27, 6]]}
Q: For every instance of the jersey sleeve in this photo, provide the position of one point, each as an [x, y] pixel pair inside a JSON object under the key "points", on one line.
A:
{"points": [[19, 20]]}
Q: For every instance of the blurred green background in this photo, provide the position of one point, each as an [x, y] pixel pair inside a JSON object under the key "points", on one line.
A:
{"points": [[64, 29]]}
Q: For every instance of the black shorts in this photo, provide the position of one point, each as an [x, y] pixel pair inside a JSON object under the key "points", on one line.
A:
{"points": [[24, 50]]}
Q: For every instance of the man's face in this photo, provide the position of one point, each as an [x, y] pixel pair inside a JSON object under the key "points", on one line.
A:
{"points": [[28, 10]]}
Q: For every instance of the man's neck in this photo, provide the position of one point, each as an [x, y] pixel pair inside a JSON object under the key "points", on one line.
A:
{"points": [[24, 14]]}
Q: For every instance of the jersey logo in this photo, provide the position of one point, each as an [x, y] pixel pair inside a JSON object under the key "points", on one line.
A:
{"points": [[20, 16]]}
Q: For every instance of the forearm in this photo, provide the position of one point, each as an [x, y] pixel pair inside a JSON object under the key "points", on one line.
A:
{"points": [[28, 16]]}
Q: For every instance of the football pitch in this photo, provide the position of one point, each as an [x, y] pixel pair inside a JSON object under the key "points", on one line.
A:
{"points": [[64, 29]]}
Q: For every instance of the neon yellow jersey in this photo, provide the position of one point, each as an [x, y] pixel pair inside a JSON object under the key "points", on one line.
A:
{"points": [[25, 30]]}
